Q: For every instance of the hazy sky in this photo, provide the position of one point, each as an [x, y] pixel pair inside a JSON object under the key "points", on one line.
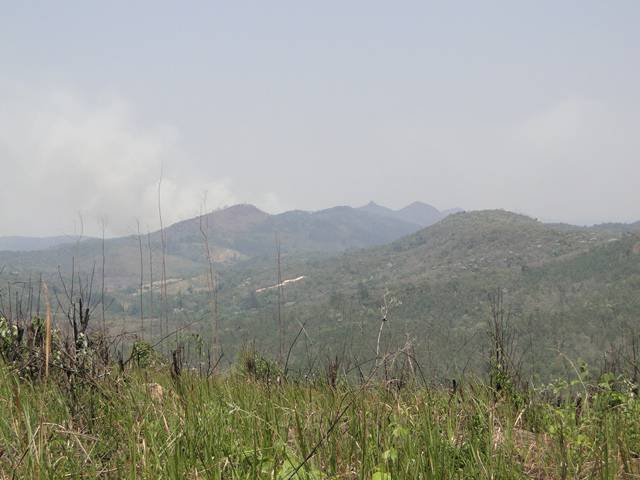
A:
{"points": [[528, 106]]}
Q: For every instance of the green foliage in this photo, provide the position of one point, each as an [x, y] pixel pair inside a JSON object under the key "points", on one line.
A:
{"points": [[228, 427], [258, 367], [8, 337], [572, 291], [143, 353]]}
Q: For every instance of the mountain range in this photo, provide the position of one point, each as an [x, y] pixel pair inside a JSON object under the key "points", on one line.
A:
{"points": [[234, 234], [570, 290], [417, 213]]}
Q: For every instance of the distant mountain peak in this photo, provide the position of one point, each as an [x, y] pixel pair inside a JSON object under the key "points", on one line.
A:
{"points": [[420, 213], [417, 213], [373, 204], [377, 209], [418, 204], [240, 208], [234, 218]]}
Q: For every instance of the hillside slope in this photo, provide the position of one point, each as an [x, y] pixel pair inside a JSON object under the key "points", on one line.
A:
{"points": [[235, 233], [461, 243], [560, 286], [572, 291]]}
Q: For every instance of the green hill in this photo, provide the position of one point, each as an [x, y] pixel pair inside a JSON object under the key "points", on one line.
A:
{"points": [[570, 293], [235, 233]]}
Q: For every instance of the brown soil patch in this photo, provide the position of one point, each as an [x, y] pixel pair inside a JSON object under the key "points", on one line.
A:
{"points": [[636, 248]]}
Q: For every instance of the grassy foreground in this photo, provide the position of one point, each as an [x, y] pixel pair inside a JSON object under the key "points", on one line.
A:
{"points": [[146, 424]]}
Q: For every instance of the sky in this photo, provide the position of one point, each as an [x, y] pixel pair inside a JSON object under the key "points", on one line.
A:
{"points": [[528, 106]]}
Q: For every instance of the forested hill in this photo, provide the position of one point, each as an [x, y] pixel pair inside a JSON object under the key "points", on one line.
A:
{"points": [[234, 233], [570, 293]]}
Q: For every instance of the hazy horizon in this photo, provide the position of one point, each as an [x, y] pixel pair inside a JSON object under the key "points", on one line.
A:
{"points": [[81, 229], [529, 108]]}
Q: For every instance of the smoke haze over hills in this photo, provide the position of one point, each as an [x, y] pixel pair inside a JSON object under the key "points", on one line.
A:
{"points": [[303, 107]]}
